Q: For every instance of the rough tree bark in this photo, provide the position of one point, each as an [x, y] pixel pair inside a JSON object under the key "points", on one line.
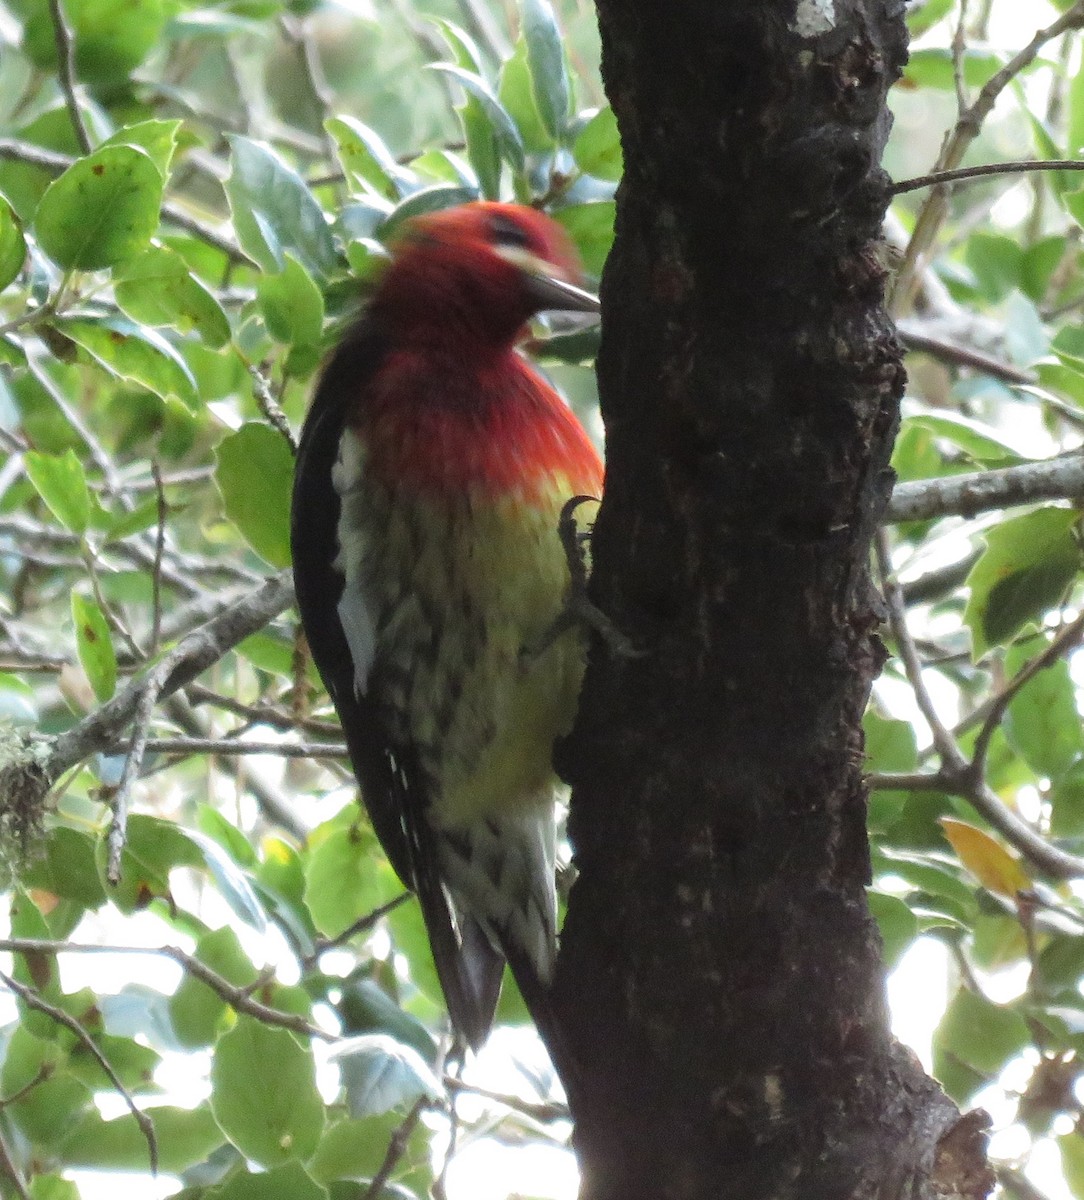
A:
{"points": [[720, 981]]}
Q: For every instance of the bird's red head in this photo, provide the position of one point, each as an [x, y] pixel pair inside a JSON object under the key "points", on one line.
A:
{"points": [[475, 274]]}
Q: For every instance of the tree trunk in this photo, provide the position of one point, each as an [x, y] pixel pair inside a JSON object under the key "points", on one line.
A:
{"points": [[720, 982]]}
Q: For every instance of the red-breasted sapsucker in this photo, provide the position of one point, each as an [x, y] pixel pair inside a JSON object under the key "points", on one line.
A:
{"points": [[433, 468]]}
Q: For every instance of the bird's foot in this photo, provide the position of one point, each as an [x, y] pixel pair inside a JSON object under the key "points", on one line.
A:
{"points": [[578, 610]]}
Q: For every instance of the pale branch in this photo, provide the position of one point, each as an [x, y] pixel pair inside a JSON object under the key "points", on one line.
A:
{"points": [[270, 406], [238, 747], [194, 654], [30, 997], [967, 495], [957, 775], [236, 997], [966, 129], [159, 551], [271, 802], [1022, 166], [149, 690], [261, 714]]}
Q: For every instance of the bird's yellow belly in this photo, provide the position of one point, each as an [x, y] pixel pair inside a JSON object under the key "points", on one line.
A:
{"points": [[460, 590]]}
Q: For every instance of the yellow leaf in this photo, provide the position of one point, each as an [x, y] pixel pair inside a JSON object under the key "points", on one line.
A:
{"points": [[991, 864]]}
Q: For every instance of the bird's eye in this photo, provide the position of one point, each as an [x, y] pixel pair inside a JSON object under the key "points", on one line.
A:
{"points": [[505, 232]]}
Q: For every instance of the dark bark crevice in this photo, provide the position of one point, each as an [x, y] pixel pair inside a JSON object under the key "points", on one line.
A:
{"points": [[720, 982]]}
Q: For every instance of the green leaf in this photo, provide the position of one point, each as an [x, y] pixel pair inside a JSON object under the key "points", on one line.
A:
{"points": [[1028, 563], [61, 483], [365, 1007], [157, 288], [981, 443], [232, 883], [997, 262], [426, 200], [897, 923], [1067, 803], [291, 1182], [921, 17], [482, 148], [52, 1187], [369, 166], [152, 849], [254, 474], [356, 1149], [157, 138], [103, 209], [346, 875], [274, 212], [264, 1093], [597, 148], [504, 128], [95, 645], [195, 1011], [1071, 1146], [1042, 723], [380, 1073], [111, 37], [980, 1033], [591, 227], [934, 68], [135, 354], [516, 92], [292, 305], [185, 1137], [12, 244], [67, 868], [546, 59]]}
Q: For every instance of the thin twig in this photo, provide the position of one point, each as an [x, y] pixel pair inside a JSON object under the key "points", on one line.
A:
{"points": [[546, 1111], [235, 997], [194, 654], [959, 51], [963, 356], [29, 996], [1021, 167], [362, 925], [159, 550], [8, 1168], [959, 776], [396, 1149], [65, 53], [967, 128], [150, 689], [1066, 639], [270, 407]]}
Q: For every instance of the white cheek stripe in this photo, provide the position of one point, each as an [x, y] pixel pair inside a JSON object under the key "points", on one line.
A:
{"points": [[354, 615]]}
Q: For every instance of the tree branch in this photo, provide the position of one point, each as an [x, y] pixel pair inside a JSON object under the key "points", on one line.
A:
{"points": [[237, 998], [967, 128], [984, 170], [968, 495], [29, 996]]}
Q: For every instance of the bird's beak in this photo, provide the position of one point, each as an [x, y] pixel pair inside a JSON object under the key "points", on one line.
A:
{"points": [[545, 286]]}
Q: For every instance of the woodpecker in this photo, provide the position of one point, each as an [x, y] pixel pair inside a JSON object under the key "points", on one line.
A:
{"points": [[433, 469]]}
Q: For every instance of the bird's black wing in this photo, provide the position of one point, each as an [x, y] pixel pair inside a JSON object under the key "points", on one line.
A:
{"points": [[469, 968]]}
